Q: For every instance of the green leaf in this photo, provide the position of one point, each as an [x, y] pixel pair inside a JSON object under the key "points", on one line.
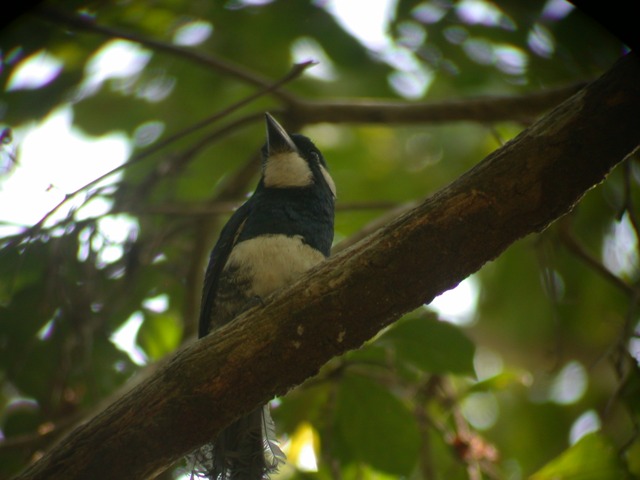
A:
{"points": [[376, 427], [159, 335], [500, 382], [632, 457], [306, 404], [592, 458], [431, 345]]}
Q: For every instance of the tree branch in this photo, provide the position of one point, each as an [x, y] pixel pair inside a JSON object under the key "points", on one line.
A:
{"points": [[523, 108], [570, 241], [519, 189], [295, 71], [87, 24]]}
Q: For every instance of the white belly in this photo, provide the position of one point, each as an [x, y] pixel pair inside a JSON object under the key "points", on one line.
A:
{"points": [[273, 261]]}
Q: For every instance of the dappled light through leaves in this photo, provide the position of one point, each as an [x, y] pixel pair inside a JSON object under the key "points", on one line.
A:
{"points": [[130, 132]]}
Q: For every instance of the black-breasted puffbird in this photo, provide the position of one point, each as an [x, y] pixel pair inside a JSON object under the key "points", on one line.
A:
{"points": [[284, 229]]}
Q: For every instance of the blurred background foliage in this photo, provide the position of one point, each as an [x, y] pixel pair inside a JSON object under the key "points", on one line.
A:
{"points": [[530, 367]]}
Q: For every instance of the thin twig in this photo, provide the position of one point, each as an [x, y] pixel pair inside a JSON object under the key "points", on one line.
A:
{"points": [[226, 67], [545, 257], [422, 396], [523, 108], [293, 73], [574, 246]]}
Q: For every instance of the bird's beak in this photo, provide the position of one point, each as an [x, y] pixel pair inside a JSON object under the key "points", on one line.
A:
{"points": [[278, 140]]}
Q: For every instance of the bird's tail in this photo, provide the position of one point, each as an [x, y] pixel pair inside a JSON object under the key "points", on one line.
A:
{"points": [[245, 450]]}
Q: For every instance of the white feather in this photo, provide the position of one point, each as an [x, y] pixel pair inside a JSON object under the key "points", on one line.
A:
{"points": [[287, 169], [273, 261], [274, 456]]}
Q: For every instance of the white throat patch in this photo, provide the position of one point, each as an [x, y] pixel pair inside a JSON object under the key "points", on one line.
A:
{"points": [[287, 170]]}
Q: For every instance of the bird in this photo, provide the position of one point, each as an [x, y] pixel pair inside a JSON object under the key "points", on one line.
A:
{"points": [[285, 228]]}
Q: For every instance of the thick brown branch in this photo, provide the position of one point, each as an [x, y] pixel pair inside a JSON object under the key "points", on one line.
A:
{"points": [[519, 189]]}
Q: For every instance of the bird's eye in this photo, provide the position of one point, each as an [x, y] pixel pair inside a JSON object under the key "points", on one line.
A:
{"points": [[315, 157]]}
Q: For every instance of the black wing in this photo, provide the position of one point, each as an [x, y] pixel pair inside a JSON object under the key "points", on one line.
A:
{"points": [[217, 260]]}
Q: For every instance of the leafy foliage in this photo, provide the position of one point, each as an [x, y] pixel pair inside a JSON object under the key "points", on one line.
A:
{"points": [[591, 457], [552, 336]]}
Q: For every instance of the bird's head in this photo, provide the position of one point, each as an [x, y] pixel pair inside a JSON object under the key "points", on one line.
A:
{"points": [[292, 161]]}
